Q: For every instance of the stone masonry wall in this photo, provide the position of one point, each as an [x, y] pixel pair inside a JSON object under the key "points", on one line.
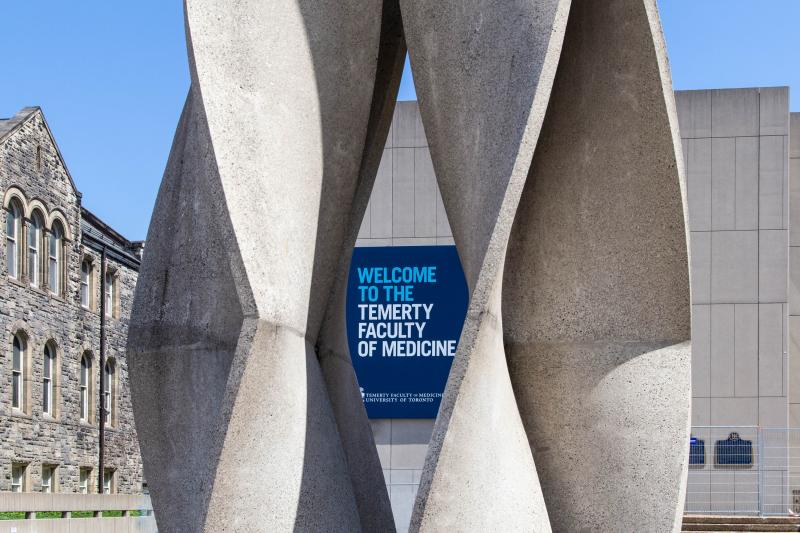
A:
{"points": [[32, 437]]}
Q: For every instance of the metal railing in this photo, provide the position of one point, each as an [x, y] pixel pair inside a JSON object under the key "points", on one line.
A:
{"points": [[744, 470], [99, 506]]}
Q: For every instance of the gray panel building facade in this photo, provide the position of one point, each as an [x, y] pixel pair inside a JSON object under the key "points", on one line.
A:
{"points": [[737, 153], [735, 146]]}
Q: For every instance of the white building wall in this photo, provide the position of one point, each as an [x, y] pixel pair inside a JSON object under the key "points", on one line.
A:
{"points": [[735, 144], [735, 147]]}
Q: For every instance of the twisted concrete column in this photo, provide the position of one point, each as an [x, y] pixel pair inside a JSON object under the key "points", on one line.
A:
{"points": [[596, 310], [265, 188], [483, 72], [590, 305]]}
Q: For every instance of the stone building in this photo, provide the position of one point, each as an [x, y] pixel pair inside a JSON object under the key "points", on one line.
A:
{"points": [[50, 321]]}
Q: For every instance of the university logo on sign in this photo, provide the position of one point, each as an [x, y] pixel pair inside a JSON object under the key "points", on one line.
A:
{"points": [[405, 310]]}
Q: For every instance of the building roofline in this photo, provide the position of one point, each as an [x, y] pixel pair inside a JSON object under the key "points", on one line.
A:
{"points": [[97, 234], [755, 88], [105, 228], [12, 125]]}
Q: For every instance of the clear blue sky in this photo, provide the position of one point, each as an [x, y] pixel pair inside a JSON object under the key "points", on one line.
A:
{"points": [[112, 76]]}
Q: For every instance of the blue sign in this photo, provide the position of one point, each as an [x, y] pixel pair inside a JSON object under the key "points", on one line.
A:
{"points": [[697, 451], [405, 310]]}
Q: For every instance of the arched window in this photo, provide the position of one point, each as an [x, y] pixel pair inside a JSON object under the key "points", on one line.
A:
{"points": [[109, 393], [18, 372], [14, 238], [86, 283], [49, 380], [35, 266], [56, 253], [86, 385], [111, 293]]}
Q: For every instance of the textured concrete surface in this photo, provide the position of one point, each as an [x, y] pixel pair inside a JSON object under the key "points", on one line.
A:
{"points": [[243, 337], [262, 196], [793, 305], [483, 73], [596, 306], [363, 462]]}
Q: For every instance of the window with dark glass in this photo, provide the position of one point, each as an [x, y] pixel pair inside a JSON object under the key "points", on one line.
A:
{"points": [[35, 232], [48, 380], [17, 372], [56, 252], [13, 238]]}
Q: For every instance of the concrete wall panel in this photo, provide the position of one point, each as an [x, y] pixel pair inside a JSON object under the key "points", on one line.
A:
{"points": [[785, 351], [734, 267], [734, 113], [794, 201], [773, 246], [794, 135], [770, 183], [772, 412], [774, 111], [794, 361], [794, 281], [403, 191], [723, 183], [746, 183], [425, 194], [694, 113], [381, 200], [701, 351], [722, 350], [404, 125], [698, 181], [701, 266], [770, 350], [745, 342], [734, 411], [785, 203], [701, 409]]}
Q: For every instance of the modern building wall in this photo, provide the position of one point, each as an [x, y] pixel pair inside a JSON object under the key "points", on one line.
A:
{"points": [[735, 148], [793, 439], [34, 177], [735, 145], [794, 271], [736, 154]]}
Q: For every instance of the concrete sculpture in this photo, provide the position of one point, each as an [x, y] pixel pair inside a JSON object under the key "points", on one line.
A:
{"points": [[482, 109], [262, 198], [575, 343], [596, 310], [592, 298]]}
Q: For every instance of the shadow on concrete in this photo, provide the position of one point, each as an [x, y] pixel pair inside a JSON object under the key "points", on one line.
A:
{"points": [[346, 188]]}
